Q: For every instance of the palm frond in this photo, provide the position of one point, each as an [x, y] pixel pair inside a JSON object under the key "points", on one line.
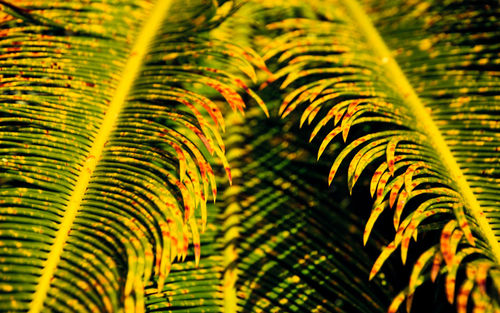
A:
{"points": [[296, 248], [101, 176], [269, 245], [424, 116], [111, 113], [194, 287]]}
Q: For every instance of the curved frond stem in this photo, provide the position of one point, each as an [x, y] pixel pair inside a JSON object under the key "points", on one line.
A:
{"points": [[129, 74], [424, 121]]}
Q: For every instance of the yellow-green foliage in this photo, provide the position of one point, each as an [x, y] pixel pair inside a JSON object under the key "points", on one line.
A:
{"points": [[120, 119]]}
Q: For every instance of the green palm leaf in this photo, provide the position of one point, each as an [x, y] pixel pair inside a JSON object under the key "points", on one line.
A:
{"points": [[295, 247], [431, 112], [263, 249], [269, 245], [101, 171], [111, 113]]}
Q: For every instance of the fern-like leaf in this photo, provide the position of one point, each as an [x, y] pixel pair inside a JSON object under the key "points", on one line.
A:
{"points": [[429, 106], [102, 173]]}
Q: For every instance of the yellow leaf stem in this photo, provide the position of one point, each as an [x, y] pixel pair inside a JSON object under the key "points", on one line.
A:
{"points": [[129, 74]]}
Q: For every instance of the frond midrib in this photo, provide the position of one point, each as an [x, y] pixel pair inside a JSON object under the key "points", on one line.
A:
{"points": [[424, 121], [129, 74]]}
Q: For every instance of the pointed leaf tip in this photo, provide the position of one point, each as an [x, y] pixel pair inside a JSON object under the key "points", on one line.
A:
{"points": [[372, 219], [197, 253], [436, 265], [396, 303]]}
